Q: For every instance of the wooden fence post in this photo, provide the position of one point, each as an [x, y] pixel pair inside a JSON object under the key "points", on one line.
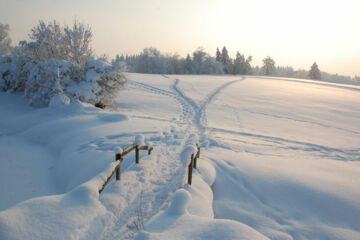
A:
{"points": [[137, 154], [118, 157], [190, 169]]}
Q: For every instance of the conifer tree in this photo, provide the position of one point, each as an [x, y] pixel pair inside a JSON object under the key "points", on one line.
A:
{"points": [[225, 59], [218, 55], [238, 63], [188, 64], [314, 72]]}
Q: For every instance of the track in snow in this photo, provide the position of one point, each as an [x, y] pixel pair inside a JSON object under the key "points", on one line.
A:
{"points": [[166, 178], [199, 117]]}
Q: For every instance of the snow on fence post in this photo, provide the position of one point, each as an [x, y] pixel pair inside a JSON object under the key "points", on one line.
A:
{"points": [[197, 155]]}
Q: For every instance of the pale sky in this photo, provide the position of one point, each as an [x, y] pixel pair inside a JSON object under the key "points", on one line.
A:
{"points": [[294, 33]]}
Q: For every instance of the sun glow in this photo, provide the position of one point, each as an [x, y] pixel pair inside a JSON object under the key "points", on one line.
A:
{"points": [[295, 33]]}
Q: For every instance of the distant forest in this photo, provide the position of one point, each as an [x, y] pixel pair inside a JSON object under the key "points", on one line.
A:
{"points": [[51, 43], [151, 60]]}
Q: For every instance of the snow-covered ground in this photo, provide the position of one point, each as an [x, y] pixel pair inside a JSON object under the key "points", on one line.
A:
{"points": [[279, 160]]}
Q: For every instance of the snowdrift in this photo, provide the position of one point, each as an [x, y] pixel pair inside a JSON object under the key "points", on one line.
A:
{"points": [[279, 160]]}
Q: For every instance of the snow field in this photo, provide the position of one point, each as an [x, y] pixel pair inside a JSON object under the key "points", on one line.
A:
{"points": [[279, 160]]}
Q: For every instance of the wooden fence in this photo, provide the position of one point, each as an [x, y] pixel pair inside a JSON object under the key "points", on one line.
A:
{"points": [[119, 158]]}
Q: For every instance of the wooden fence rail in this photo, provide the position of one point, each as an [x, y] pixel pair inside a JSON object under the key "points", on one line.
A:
{"points": [[119, 158]]}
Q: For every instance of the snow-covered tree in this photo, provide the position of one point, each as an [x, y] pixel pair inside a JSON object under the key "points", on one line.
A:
{"points": [[240, 65], [76, 43], [268, 66], [218, 55], [314, 72], [119, 63], [51, 41], [5, 40], [225, 59], [174, 64], [46, 43], [199, 55], [203, 63], [188, 65], [150, 60], [284, 71]]}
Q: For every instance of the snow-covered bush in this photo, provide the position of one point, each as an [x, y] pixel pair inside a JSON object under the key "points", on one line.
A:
{"points": [[5, 63], [57, 66], [48, 79], [100, 83], [57, 81], [95, 82], [14, 72]]}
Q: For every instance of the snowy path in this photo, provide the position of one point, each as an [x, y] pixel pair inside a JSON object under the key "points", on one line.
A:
{"points": [[199, 118], [145, 184]]}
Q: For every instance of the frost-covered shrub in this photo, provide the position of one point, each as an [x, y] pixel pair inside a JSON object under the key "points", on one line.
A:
{"points": [[19, 73], [14, 71], [56, 66], [57, 81], [48, 79], [100, 83], [5, 63]]}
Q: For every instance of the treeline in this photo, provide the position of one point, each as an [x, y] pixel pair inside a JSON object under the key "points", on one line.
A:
{"points": [[151, 60]]}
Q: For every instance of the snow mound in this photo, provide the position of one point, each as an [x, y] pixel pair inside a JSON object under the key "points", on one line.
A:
{"points": [[140, 140], [179, 203], [186, 154], [118, 149], [59, 100], [76, 215], [207, 172]]}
